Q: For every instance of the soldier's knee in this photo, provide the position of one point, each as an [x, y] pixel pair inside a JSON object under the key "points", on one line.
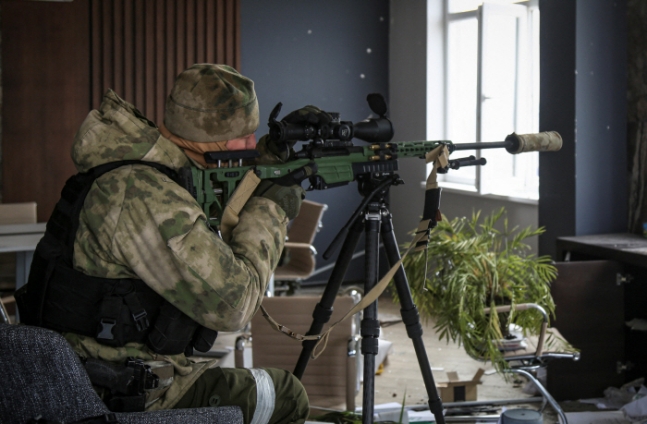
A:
{"points": [[292, 405], [302, 408]]}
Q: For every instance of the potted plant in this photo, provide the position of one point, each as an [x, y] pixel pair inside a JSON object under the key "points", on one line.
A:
{"points": [[472, 264]]}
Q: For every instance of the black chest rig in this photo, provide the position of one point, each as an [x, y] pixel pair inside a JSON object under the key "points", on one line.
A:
{"points": [[112, 311]]}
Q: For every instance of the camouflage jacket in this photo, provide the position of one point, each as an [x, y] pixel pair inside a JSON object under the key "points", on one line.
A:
{"points": [[137, 223]]}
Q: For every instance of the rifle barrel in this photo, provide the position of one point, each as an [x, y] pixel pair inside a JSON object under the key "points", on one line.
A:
{"points": [[483, 145]]}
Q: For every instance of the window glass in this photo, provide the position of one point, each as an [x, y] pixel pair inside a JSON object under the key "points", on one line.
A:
{"points": [[506, 99], [461, 91], [498, 106], [457, 6]]}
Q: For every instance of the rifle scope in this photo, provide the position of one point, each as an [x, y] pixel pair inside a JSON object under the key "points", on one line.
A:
{"points": [[372, 130]]}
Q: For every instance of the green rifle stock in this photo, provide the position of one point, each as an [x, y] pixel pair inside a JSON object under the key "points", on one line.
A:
{"points": [[338, 165]]}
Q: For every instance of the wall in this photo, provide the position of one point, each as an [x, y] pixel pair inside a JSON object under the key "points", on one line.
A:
{"points": [[329, 54], [408, 94], [583, 189], [60, 57], [45, 88]]}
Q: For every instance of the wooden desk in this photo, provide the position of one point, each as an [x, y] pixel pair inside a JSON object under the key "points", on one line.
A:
{"points": [[626, 248], [602, 285], [21, 239]]}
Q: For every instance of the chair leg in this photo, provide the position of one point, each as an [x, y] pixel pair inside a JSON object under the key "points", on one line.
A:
{"points": [[543, 392], [351, 381], [4, 315], [239, 350]]}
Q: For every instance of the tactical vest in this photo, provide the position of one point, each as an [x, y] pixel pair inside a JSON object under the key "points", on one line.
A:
{"points": [[113, 311]]}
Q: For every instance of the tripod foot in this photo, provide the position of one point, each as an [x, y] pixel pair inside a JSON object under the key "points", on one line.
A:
{"points": [[436, 408]]}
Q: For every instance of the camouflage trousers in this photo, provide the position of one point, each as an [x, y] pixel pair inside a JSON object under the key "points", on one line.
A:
{"points": [[237, 386]]}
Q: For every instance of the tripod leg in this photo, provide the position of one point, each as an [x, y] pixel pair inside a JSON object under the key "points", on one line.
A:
{"points": [[370, 330], [411, 318], [323, 311]]}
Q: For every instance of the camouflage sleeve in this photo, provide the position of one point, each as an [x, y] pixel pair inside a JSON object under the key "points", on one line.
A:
{"points": [[163, 237]]}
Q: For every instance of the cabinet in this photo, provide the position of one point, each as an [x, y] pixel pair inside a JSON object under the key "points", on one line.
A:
{"points": [[602, 284]]}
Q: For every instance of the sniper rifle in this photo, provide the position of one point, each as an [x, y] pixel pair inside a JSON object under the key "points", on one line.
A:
{"points": [[336, 160]]}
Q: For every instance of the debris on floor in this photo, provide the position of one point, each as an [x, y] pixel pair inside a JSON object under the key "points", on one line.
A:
{"points": [[616, 398], [637, 409], [456, 390], [597, 417]]}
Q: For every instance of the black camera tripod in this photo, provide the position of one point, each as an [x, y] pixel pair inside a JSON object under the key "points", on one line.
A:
{"points": [[375, 223]]}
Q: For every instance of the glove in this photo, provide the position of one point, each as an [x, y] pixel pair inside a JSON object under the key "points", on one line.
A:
{"points": [[270, 154], [308, 115], [287, 191], [274, 151]]}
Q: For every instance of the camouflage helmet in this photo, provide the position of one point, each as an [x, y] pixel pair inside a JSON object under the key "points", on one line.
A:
{"points": [[211, 103]]}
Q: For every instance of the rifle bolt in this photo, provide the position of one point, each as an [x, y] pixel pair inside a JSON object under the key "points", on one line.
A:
{"points": [[379, 147], [380, 158]]}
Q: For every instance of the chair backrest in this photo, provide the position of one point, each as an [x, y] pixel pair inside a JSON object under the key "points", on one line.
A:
{"points": [[41, 375], [304, 227], [17, 213], [329, 380]]}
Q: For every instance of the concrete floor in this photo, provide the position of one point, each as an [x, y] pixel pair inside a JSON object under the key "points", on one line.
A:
{"points": [[401, 371]]}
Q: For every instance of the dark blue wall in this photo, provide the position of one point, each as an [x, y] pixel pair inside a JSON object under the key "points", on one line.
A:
{"points": [[327, 53], [601, 103], [583, 188]]}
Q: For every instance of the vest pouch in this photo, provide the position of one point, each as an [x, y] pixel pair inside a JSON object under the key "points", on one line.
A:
{"points": [[124, 317], [172, 331], [126, 384], [203, 339]]}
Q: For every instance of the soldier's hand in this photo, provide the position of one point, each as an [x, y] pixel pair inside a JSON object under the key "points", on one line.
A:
{"points": [[308, 115], [287, 191], [272, 152]]}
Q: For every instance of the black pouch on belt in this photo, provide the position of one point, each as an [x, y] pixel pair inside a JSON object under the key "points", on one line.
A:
{"points": [[126, 384]]}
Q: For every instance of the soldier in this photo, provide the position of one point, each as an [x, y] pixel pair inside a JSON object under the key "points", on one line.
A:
{"points": [[129, 267]]}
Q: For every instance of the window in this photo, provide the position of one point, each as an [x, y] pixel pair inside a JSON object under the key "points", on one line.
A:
{"points": [[491, 89]]}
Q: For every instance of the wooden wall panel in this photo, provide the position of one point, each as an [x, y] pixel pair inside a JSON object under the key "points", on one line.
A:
{"points": [[139, 46], [59, 59], [45, 82]]}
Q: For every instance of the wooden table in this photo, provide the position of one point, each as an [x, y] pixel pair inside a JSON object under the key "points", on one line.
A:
{"points": [[21, 239], [601, 286], [626, 248]]}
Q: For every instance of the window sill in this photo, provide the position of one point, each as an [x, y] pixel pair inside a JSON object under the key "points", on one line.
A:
{"points": [[470, 191]]}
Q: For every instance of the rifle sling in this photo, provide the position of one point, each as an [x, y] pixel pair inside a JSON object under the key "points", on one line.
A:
{"points": [[439, 156], [239, 198]]}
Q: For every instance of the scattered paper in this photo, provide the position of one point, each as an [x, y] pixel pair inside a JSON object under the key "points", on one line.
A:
{"points": [[616, 398], [636, 410], [382, 407], [637, 324], [421, 416], [597, 417], [389, 411]]}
